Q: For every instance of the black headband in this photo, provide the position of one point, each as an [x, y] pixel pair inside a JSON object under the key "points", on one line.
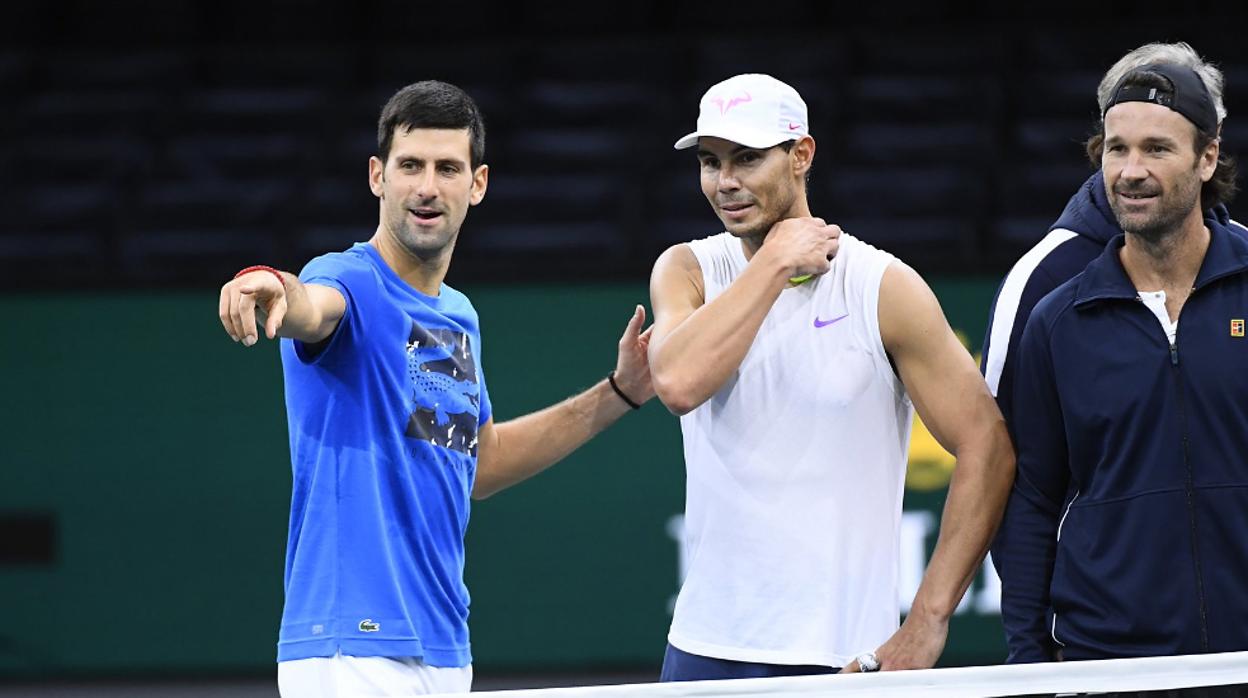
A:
{"points": [[1187, 94]]}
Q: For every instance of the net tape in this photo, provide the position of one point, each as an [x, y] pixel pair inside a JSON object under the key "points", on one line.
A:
{"points": [[1110, 675]]}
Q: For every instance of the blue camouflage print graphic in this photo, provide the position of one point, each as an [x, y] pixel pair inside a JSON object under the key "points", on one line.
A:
{"points": [[445, 389]]}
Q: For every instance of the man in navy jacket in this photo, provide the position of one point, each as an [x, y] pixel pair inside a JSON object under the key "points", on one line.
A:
{"points": [[1124, 534], [1077, 237]]}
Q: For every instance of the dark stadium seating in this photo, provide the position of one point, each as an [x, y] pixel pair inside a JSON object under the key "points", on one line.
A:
{"points": [[953, 148]]}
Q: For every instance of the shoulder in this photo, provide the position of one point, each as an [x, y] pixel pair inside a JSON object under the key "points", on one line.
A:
{"points": [[457, 302], [353, 263], [865, 266], [1055, 305], [680, 255], [1058, 256], [907, 305], [677, 274]]}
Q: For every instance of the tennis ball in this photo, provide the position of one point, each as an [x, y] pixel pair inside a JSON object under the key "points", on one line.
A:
{"points": [[799, 280]]}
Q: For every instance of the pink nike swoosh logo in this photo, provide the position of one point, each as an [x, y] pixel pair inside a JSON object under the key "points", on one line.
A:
{"points": [[793, 126], [824, 323]]}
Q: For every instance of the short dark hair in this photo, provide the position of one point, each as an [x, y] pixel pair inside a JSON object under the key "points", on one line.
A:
{"points": [[1221, 187], [431, 104]]}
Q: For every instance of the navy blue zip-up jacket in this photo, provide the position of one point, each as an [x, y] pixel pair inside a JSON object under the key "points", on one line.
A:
{"points": [[1126, 533]]}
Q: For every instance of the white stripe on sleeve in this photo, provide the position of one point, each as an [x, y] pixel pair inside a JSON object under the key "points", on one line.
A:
{"points": [[1009, 298]]}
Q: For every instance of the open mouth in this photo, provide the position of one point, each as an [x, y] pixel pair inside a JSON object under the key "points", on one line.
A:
{"points": [[426, 214], [1137, 196]]}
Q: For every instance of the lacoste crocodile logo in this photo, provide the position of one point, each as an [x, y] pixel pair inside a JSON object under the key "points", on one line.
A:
{"points": [[368, 626]]}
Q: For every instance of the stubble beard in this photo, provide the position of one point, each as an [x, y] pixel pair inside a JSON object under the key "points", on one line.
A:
{"points": [[758, 233], [425, 246], [1171, 212]]}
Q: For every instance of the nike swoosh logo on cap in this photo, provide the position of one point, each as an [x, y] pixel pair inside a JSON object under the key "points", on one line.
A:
{"points": [[793, 126]]}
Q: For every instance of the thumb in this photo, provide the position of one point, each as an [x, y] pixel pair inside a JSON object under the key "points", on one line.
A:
{"points": [[634, 323], [851, 668]]}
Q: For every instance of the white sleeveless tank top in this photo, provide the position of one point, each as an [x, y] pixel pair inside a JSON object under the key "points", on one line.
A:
{"points": [[795, 475]]}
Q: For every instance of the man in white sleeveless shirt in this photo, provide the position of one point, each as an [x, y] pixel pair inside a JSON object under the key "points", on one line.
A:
{"points": [[792, 353]]}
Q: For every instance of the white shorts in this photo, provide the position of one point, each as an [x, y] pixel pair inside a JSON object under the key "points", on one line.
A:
{"points": [[344, 676]]}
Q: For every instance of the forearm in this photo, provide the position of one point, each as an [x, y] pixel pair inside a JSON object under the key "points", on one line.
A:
{"points": [[694, 359], [978, 492], [527, 445], [304, 319]]}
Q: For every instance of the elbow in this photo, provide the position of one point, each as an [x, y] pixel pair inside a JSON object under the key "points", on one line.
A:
{"points": [[676, 393], [1006, 456], [481, 491]]}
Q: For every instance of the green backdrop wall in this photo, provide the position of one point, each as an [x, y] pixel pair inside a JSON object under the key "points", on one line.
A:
{"points": [[154, 451]]}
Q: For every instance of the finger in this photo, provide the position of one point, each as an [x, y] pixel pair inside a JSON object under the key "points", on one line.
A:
{"points": [[634, 325], [643, 341], [276, 314], [851, 668], [246, 315], [236, 317], [223, 311], [835, 230]]}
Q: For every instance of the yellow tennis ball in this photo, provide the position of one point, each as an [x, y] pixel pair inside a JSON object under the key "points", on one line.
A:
{"points": [[799, 280]]}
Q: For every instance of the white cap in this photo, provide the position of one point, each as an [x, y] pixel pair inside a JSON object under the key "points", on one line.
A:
{"points": [[757, 111]]}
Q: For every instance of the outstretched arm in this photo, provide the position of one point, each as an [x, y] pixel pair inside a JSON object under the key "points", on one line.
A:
{"points": [[698, 345], [286, 307], [953, 400], [520, 448]]}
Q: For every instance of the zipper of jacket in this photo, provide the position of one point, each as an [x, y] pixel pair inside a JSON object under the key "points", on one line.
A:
{"points": [[1191, 493]]}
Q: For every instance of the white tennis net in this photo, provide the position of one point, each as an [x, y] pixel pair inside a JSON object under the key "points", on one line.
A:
{"points": [[1068, 678]]}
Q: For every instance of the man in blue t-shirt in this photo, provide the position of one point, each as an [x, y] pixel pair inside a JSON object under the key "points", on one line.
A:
{"points": [[391, 427]]}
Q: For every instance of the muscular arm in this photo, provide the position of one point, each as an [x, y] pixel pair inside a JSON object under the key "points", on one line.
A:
{"points": [[697, 345], [954, 402], [520, 448], [288, 308]]}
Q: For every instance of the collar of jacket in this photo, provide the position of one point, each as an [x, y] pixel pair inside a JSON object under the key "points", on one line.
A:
{"points": [[1106, 279]]}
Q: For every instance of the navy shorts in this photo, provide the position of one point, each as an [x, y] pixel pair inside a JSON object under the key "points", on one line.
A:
{"points": [[679, 665]]}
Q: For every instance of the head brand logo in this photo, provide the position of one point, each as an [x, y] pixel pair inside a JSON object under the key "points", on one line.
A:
{"points": [[732, 102], [1237, 327]]}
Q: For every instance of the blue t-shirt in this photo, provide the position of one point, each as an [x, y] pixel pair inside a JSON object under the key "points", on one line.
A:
{"points": [[383, 440]]}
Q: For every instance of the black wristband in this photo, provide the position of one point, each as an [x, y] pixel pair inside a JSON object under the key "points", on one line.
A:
{"points": [[616, 388]]}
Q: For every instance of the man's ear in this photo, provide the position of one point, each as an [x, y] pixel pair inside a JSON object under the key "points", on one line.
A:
{"points": [[480, 180], [376, 176], [803, 155]]}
